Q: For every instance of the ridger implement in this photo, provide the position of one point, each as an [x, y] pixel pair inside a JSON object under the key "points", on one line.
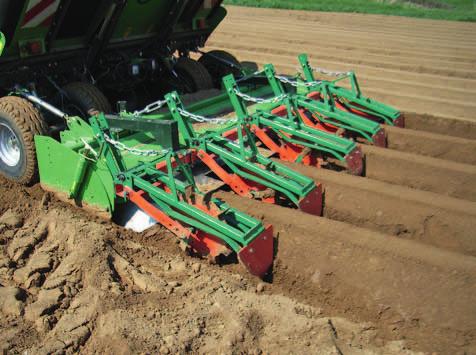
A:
{"points": [[65, 64], [231, 154], [284, 133], [347, 100], [158, 179], [320, 111]]}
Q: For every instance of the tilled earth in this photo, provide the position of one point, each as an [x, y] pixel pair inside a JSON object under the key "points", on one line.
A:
{"points": [[389, 269], [71, 282]]}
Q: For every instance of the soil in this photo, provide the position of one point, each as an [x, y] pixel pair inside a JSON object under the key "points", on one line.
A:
{"points": [[389, 269], [421, 172], [396, 210], [433, 145], [407, 289], [72, 282]]}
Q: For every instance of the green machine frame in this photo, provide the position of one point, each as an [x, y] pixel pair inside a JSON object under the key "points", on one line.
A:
{"points": [[104, 172], [230, 152], [350, 100], [287, 136], [321, 112]]}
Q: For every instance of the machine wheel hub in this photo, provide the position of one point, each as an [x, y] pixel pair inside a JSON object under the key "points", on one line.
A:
{"points": [[10, 152]]}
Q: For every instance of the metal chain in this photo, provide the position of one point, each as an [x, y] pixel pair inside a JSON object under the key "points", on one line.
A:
{"points": [[295, 83], [330, 73], [134, 151], [151, 107], [88, 147], [203, 119], [260, 100]]}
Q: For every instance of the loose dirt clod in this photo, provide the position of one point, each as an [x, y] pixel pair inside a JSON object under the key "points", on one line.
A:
{"points": [[11, 301], [48, 301], [196, 268], [260, 287], [11, 219]]}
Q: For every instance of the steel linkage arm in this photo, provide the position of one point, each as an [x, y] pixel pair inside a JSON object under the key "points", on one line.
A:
{"points": [[350, 100], [287, 135], [170, 195], [319, 110], [238, 163]]}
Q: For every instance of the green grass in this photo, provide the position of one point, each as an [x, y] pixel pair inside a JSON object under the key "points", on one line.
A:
{"points": [[455, 10]]}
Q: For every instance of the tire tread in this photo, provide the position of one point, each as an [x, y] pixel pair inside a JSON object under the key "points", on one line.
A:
{"points": [[200, 75], [89, 96], [217, 69], [30, 122]]}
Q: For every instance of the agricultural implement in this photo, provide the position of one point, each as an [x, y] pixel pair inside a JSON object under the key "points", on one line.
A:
{"points": [[228, 150], [319, 110], [66, 64], [104, 172], [284, 133], [351, 100]]}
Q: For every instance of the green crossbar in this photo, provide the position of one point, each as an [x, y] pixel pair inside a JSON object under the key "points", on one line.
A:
{"points": [[326, 109], [352, 98], [234, 228], [289, 127], [242, 157]]}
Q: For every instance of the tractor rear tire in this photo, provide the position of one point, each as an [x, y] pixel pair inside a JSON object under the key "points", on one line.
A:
{"points": [[194, 76], [217, 65], [87, 99], [20, 121]]}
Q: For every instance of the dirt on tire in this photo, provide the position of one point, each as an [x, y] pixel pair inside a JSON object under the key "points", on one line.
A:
{"points": [[27, 119]]}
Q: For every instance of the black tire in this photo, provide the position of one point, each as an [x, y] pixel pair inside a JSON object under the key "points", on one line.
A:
{"points": [[20, 117], [85, 99], [220, 64], [250, 66], [193, 76]]}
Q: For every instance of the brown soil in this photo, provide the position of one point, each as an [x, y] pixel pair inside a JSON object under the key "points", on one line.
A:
{"points": [[439, 146], [463, 128], [420, 172], [406, 288], [389, 269], [72, 282], [419, 66], [427, 217]]}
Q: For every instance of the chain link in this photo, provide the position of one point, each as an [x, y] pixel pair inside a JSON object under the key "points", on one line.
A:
{"points": [[331, 73], [134, 151], [203, 119], [260, 100], [88, 147], [151, 108], [295, 83]]}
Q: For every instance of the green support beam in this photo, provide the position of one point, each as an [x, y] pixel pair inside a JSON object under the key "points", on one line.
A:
{"points": [[241, 157], [289, 128], [94, 173], [352, 98]]}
